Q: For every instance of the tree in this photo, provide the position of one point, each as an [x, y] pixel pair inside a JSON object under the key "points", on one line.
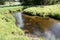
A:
{"points": [[40, 2], [2, 2]]}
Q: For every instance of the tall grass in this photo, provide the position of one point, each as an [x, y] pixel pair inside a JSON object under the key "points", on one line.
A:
{"points": [[8, 28], [51, 11], [12, 9]]}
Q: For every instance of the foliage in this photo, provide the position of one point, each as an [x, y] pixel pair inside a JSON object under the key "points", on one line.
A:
{"points": [[52, 10], [2, 2], [41, 2]]}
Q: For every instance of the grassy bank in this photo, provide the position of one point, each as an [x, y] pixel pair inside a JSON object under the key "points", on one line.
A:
{"points": [[8, 28], [11, 9], [51, 11]]}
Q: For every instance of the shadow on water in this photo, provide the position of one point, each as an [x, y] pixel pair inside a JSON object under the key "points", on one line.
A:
{"points": [[47, 27]]}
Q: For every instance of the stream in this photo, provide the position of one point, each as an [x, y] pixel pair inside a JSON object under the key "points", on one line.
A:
{"points": [[47, 27]]}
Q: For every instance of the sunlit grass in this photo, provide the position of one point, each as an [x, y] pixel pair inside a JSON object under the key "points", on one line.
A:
{"points": [[7, 9], [8, 28], [53, 10]]}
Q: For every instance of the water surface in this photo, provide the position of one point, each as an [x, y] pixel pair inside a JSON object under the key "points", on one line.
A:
{"points": [[48, 27]]}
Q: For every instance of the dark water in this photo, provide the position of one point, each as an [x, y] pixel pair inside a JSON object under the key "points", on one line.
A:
{"points": [[35, 24]]}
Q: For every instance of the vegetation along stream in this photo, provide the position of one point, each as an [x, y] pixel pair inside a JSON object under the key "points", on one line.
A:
{"points": [[29, 19], [47, 27]]}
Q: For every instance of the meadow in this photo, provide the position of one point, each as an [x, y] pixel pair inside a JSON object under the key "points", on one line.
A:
{"points": [[8, 28]]}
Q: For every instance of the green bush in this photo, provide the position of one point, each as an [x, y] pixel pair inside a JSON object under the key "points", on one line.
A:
{"points": [[41, 2], [2, 2], [13, 37]]}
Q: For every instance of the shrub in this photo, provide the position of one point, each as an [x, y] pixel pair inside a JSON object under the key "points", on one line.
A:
{"points": [[2, 2], [41, 2]]}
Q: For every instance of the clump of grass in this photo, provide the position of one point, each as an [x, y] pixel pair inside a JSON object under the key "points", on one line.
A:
{"points": [[11, 9], [36, 10], [51, 11]]}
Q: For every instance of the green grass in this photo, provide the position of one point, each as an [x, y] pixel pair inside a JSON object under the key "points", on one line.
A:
{"points": [[13, 37], [9, 30], [51, 10], [7, 9]]}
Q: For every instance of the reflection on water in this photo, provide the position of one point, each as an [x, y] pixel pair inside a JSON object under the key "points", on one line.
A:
{"points": [[49, 35], [56, 30], [47, 27], [19, 19]]}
